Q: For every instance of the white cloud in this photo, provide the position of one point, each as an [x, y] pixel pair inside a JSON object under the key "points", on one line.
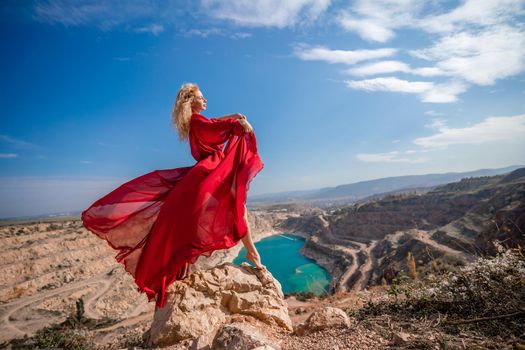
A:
{"points": [[480, 58], [266, 13], [241, 35], [379, 68], [445, 92], [432, 113], [473, 13], [320, 53], [203, 33], [390, 84], [17, 143], [153, 28], [366, 28], [477, 42], [412, 151], [376, 20], [390, 157], [8, 155], [382, 67], [428, 91], [207, 32], [500, 140], [427, 71], [103, 14], [134, 15], [436, 123], [503, 129]]}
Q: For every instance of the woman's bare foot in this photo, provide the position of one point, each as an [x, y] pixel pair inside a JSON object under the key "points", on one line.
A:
{"points": [[255, 259]]}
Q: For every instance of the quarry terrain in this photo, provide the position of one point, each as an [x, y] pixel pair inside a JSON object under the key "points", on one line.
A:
{"points": [[378, 251]]}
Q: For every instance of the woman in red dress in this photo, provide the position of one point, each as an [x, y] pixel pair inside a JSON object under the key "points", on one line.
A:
{"points": [[161, 222]]}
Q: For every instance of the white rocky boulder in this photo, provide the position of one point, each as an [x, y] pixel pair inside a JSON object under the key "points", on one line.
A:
{"points": [[197, 306]]}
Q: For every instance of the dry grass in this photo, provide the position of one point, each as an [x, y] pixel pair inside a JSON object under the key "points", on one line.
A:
{"points": [[480, 305]]}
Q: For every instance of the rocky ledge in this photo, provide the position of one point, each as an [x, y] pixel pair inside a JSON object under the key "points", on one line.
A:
{"points": [[228, 304]]}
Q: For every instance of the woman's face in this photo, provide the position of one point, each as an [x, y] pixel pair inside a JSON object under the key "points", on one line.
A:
{"points": [[199, 102]]}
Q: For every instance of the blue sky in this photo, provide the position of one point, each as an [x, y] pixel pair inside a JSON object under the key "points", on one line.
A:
{"points": [[337, 91]]}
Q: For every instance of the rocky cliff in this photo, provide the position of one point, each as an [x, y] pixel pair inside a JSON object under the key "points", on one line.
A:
{"points": [[446, 227]]}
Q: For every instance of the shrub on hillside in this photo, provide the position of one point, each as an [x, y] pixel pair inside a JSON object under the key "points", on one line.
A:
{"points": [[486, 296], [485, 287]]}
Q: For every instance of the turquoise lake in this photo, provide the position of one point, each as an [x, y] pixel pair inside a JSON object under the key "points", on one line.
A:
{"points": [[296, 273]]}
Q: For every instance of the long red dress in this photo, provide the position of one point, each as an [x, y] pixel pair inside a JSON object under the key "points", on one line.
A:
{"points": [[162, 221]]}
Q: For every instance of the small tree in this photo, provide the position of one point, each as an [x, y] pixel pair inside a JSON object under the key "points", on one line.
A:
{"points": [[383, 282], [394, 287], [80, 309], [411, 264]]}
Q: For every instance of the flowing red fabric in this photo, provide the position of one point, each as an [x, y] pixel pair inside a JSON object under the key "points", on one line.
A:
{"points": [[164, 220]]}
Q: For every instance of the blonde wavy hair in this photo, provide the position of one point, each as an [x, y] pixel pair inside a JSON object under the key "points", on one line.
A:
{"points": [[181, 114]]}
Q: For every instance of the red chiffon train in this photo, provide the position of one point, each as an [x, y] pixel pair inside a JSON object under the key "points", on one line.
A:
{"points": [[164, 220]]}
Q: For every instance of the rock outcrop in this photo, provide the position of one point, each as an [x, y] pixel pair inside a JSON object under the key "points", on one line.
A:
{"points": [[324, 318], [199, 305]]}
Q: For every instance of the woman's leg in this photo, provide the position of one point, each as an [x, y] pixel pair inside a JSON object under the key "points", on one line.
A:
{"points": [[251, 252]]}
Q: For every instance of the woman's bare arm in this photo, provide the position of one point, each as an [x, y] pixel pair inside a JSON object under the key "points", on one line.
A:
{"points": [[241, 118], [235, 115]]}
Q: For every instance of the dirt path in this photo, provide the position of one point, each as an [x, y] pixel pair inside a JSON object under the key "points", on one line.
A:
{"points": [[12, 311], [341, 284], [107, 335], [425, 237], [366, 268], [91, 300]]}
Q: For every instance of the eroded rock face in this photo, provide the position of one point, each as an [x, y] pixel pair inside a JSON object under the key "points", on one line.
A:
{"points": [[324, 318], [206, 300]]}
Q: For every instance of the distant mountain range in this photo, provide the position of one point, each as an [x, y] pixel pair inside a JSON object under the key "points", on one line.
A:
{"points": [[355, 191]]}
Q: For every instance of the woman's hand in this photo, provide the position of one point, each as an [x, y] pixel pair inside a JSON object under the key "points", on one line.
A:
{"points": [[247, 126], [238, 116]]}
